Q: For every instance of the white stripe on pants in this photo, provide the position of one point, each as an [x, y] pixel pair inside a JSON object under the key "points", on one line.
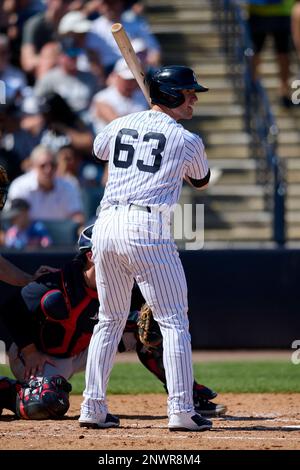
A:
{"points": [[128, 244]]}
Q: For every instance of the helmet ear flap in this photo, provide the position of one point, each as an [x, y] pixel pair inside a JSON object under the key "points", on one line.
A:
{"points": [[167, 83], [165, 95], [174, 97]]}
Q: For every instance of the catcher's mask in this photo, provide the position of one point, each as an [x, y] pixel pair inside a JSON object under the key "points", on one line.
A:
{"points": [[85, 239], [3, 187], [167, 83]]}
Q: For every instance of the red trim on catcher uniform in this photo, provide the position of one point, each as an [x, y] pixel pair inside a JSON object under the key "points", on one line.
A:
{"points": [[70, 323]]}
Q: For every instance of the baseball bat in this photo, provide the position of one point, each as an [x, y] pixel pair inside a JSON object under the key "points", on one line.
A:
{"points": [[131, 58]]}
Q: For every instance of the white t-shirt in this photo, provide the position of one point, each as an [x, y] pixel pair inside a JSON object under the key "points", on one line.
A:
{"points": [[60, 203], [121, 104], [77, 89]]}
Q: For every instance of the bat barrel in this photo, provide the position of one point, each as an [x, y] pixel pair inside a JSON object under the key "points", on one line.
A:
{"points": [[116, 27]]}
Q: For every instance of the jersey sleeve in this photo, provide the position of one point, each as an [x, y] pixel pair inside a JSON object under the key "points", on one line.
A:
{"points": [[101, 144], [196, 159]]}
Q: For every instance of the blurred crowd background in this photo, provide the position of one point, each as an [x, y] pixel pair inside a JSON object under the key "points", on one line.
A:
{"points": [[64, 81]]}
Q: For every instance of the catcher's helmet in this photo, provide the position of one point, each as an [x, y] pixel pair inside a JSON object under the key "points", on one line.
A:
{"points": [[85, 239], [167, 83]]}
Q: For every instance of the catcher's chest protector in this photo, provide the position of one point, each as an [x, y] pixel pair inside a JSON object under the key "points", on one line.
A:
{"points": [[67, 313]]}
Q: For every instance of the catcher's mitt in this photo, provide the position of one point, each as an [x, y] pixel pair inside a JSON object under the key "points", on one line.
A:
{"points": [[3, 186], [148, 329]]}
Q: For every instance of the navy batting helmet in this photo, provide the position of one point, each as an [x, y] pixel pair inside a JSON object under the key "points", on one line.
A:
{"points": [[167, 83], [85, 239]]}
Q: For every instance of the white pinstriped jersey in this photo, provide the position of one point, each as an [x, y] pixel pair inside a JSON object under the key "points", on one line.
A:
{"points": [[149, 153]]}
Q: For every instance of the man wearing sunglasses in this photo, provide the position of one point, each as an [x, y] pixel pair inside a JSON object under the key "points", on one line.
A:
{"points": [[10, 273], [50, 197]]}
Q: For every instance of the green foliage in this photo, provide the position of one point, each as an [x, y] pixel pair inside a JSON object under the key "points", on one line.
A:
{"points": [[235, 377]]}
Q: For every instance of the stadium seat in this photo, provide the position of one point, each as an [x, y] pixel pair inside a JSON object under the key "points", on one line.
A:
{"points": [[62, 232], [91, 197]]}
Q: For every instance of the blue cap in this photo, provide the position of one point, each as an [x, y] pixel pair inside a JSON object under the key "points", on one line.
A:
{"points": [[69, 47], [85, 239]]}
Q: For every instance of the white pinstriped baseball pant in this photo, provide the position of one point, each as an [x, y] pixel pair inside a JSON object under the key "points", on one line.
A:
{"points": [[128, 244]]}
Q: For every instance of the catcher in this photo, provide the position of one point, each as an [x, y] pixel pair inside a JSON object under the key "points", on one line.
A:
{"points": [[8, 272], [51, 322]]}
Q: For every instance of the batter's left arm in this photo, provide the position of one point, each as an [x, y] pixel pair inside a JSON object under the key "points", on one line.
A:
{"points": [[197, 172], [198, 184]]}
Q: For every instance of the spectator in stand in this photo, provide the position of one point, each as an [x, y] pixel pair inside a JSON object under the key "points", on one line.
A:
{"points": [[14, 79], [133, 14], [135, 5], [76, 26], [76, 87], [296, 27], [10, 273], [49, 58], [85, 176], [39, 30], [122, 97], [50, 122], [68, 164], [16, 143], [50, 197], [273, 18], [24, 232], [102, 42], [16, 13], [63, 127]]}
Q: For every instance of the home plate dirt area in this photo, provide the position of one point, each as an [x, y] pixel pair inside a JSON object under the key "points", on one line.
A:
{"points": [[253, 421]]}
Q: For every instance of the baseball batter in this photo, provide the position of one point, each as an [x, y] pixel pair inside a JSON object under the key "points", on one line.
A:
{"points": [[149, 155], [49, 325]]}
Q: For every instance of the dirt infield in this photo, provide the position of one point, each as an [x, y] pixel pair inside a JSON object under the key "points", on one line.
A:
{"points": [[253, 421]]}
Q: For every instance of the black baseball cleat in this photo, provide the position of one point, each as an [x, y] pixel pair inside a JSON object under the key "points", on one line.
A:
{"points": [[99, 422], [189, 422], [208, 408], [201, 391]]}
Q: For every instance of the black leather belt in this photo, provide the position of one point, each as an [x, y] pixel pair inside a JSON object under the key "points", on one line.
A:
{"points": [[136, 207]]}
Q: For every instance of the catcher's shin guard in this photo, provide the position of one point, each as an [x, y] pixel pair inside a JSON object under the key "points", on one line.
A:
{"points": [[203, 392], [152, 359], [202, 396]]}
